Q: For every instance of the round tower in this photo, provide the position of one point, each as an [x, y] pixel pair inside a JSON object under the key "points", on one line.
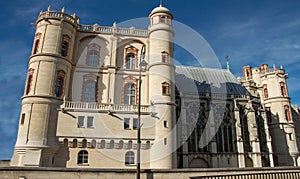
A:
{"points": [[46, 86], [161, 86], [277, 102]]}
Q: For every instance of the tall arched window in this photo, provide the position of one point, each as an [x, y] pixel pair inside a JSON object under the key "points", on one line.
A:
{"points": [[64, 45], [89, 91], [29, 81], [82, 157], [59, 83], [129, 158], [93, 55], [130, 61], [129, 94]]}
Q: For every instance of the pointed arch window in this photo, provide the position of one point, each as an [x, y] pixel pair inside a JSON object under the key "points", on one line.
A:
{"points": [[129, 94], [29, 81], [59, 84], [36, 43], [65, 45], [165, 88], [82, 157], [129, 158], [93, 55]]}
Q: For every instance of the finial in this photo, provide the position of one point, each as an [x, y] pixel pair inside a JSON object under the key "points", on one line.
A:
{"points": [[160, 5], [49, 8], [227, 63], [115, 24], [63, 9], [281, 67], [274, 66]]}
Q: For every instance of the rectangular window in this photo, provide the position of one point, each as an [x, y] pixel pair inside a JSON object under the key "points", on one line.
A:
{"points": [[80, 121], [23, 118], [126, 123], [135, 123], [90, 122], [165, 124], [291, 136], [165, 141]]}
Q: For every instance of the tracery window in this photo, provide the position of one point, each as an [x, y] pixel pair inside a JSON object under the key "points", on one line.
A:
{"points": [[224, 134], [194, 144], [65, 45], [93, 55], [129, 158], [29, 81], [129, 94], [82, 157], [59, 84]]}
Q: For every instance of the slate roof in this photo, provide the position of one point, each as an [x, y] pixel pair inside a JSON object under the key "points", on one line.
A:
{"points": [[190, 79]]}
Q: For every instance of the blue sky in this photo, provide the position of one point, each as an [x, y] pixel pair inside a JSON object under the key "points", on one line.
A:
{"points": [[251, 32]]}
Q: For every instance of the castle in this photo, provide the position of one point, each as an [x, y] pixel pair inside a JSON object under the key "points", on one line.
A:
{"points": [[80, 104]]}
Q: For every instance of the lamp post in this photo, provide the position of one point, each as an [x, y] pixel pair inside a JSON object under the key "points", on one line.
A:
{"points": [[143, 65]]}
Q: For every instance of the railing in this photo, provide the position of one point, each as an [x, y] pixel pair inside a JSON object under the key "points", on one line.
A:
{"points": [[113, 30], [61, 15], [101, 107]]}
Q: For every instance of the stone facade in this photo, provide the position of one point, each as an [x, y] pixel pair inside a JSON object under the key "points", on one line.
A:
{"points": [[80, 103]]}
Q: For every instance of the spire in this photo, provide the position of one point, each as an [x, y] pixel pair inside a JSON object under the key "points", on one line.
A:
{"points": [[227, 63]]}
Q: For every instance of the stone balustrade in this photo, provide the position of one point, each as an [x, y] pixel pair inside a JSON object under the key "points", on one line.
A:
{"points": [[102, 107], [92, 28]]}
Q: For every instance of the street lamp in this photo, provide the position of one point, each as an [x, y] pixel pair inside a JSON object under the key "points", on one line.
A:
{"points": [[143, 65]]}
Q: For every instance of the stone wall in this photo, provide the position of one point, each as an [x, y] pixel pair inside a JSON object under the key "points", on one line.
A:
{"points": [[247, 173]]}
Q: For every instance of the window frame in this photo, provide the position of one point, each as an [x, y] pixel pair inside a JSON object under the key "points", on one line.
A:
{"points": [[130, 94], [83, 157], [64, 47], [80, 122], [129, 158], [165, 89]]}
